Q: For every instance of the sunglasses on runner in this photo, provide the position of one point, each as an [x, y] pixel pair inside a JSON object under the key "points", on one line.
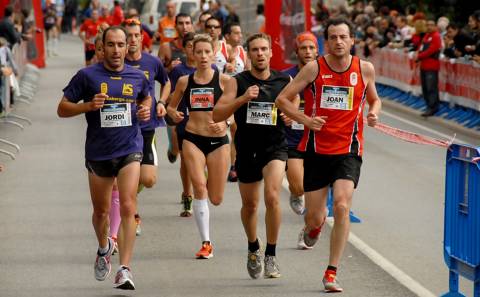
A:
{"points": [[212, 27]]}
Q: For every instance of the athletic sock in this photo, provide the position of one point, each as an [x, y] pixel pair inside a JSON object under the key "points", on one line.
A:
{"points": [[55, 46], [115, 218], [202, 217], [253, 246], [333, 268], [103, 251], [122, 267], [270, 250]]}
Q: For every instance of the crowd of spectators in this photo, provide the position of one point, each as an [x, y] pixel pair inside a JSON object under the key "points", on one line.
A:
{"points": [[384, 27]]}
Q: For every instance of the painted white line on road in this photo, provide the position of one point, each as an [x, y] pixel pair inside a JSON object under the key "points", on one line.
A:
{"points": [[411, 123], [381, 261]]}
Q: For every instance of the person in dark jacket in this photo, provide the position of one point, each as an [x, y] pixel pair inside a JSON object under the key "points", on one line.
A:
{"points": [[7, 30]]}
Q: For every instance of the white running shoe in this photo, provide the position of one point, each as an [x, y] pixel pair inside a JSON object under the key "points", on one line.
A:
{"points": [[272, 270], [123, 279], [103, 267], [297, 203], [301, 245]]}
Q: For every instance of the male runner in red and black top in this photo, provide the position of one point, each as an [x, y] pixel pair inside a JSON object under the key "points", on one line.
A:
{"points": [[336, 87]]}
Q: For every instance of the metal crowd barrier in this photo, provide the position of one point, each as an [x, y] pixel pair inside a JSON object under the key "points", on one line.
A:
{"points": [[27, 76], [461, 247], [398, 78]]}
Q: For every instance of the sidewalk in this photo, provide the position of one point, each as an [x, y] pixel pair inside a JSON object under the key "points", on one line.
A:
{"points": [[48, 244]]}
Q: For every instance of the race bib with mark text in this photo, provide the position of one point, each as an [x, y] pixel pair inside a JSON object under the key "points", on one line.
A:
{"points": [[201, 98], [334, 97], [116, 115], [262, 113]]}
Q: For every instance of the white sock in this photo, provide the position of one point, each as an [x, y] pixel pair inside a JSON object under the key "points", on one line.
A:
{"points": [[202, 217], [103, 251]]}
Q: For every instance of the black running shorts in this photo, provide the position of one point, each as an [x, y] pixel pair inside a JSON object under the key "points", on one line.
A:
{"points": [[293, 153], [149, 148], [324, 170], [111, 168], [249, 166]]}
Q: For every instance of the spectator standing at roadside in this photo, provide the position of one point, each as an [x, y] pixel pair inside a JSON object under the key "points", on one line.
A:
{"points": [[428, 56], [474, 24], [7, 29], [70, 16], [404, 33], [456, 41], [260, 19]]}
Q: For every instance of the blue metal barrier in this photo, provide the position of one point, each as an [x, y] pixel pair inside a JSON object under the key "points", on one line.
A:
{"points": [[467, 117], [461, 247], [353, 217]]}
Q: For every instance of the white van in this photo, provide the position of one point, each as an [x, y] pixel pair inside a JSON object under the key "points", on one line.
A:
{"points": [[153, 10]]}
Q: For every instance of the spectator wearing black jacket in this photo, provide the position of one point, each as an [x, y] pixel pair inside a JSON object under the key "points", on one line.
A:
{"points": [[7, 29], [456, 41]]}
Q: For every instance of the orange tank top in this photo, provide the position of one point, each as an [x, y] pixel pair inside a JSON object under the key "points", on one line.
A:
{"points": [[341, 97], [166, 29]]}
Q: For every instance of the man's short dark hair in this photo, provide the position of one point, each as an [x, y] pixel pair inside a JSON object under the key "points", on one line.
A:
{"points": [[220, 21], [228, 27], [182, 15], [204, 13], [189, 36], [260, 9], [259, 36], [336, 22], [452, 26], [113, 28], [8, 11]]}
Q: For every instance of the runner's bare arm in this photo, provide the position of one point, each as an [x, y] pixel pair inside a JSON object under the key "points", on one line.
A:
{"points": [[165, 92], [144, 106], [175, 98], [230, 66], [374, 102], [286, 99], [228, 103], [165, 54], [68, 109]]}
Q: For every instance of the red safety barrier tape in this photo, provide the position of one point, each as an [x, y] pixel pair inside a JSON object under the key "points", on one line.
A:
{"points": [[410, 136]]}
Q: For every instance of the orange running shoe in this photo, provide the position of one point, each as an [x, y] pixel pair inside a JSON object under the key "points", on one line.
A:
{"points": [[206, 252], [330, 282]]}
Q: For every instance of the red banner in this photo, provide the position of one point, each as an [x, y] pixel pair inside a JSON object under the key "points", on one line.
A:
{"points": [[39, 61], [283, 23]]}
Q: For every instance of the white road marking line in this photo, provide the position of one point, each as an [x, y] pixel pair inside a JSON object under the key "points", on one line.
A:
{"points": [[408, 122], [381, 261]]}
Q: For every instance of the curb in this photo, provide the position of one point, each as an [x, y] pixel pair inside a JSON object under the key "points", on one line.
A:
{"points": [[436, 120]]}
